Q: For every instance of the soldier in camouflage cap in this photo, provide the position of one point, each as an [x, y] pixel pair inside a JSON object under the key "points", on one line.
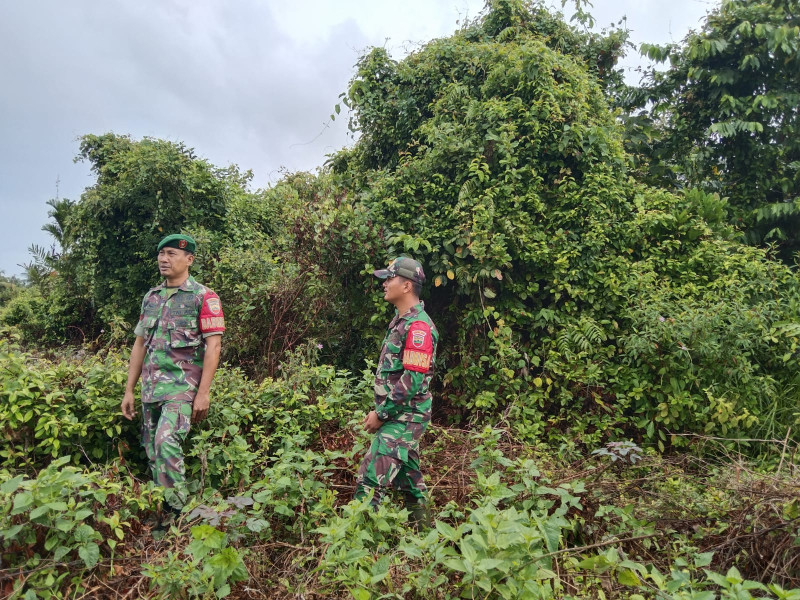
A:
{"points": [[402, 398], [176, 353]]}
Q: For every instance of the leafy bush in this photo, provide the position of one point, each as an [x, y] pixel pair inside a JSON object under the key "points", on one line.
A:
{"points": [[273, 466], [207, 566], [63, 515], [67, 406], [10, 287]]}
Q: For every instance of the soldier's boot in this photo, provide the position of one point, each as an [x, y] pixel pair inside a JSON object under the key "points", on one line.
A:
{"points": [[166, 518], [419, 517], [361, 493], [375, 502]]}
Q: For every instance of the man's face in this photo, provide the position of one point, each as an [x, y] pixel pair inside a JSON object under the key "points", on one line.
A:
{"points": [[174, 262], [394, 288]]}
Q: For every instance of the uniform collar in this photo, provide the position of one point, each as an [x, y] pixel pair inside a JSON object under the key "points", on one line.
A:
{"points": [[187, 286], [411, 312]]}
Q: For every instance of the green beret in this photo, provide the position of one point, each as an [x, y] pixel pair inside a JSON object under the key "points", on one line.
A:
{"points": [[177, 240]]}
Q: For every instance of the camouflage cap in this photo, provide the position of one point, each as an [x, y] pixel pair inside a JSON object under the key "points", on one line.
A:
{"points": [[405, 267], [177, 240]]}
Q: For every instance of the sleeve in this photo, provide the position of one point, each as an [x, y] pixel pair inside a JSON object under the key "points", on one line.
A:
{"points": [[212, 319], [139, 329], [417, 357], [418, 353]]}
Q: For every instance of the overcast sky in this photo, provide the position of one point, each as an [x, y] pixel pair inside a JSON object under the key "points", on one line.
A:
{"points": [[247, 82]]}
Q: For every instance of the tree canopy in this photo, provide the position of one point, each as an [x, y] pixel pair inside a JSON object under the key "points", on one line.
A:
{"points": [[723, 116], [563, 282], [571, 293]]}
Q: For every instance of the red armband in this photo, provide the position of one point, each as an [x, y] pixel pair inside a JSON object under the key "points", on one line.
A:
{"points": [[211, 318], [418, 353]]}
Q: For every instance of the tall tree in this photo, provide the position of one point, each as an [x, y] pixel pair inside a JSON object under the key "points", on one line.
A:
{"points": [[725, 115]]}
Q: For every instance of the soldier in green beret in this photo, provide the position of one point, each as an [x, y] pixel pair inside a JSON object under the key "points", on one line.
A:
{"points": [[176, 353]]}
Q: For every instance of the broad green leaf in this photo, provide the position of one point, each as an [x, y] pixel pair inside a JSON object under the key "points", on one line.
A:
{"points": [[484, 583], [11, 532], [456, 564], [60, 553], [545, 574], [446, 530], [90, 553], [468, 551], [487, 564], [38, 512], [11, 486], [628, 577], [64, 524], [360, 594], [84, 533], [51, 542], [82, 514], [703, 559], [21, 501]]}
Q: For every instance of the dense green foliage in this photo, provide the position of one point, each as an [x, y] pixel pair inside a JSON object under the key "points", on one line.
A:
{"points": [[724, 115], [593, 326], [571, 297], [9, 288], [272, 471], [143, 190], [107, 240], [549, 263], [291, 270]]}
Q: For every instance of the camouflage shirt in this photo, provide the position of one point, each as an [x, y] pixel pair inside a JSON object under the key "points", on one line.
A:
{"points": [[405, 368], [173, 323]]}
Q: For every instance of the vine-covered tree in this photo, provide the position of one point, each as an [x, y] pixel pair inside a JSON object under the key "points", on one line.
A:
{"points": [[144, 190], [560, 284]]}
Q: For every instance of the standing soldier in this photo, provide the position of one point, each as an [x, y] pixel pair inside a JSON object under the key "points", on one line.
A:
{"points": [[402, 398], [176, 352]]}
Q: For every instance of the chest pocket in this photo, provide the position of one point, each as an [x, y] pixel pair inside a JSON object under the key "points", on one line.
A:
{"points": [[390, 357], [184, 333]]}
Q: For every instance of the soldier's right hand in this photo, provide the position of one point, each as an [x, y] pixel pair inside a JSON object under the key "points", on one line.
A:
{"points": [[372, 423], [127, 406]]}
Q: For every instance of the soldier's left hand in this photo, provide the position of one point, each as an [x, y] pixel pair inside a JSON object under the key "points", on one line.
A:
{"points": [[200, 407]]}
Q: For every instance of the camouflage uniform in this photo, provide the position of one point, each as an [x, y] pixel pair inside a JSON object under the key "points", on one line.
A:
{"points": [[403, 403], [173, 324]]}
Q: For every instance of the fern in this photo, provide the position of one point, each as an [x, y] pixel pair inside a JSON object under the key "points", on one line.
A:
{"points": [[582, 337]]}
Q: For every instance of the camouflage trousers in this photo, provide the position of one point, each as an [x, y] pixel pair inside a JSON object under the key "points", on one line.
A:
{"points": [[393, 462], [165, 426]]}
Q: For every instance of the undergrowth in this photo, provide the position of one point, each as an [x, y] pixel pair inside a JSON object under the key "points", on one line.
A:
{"points": [[272, 514]]}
